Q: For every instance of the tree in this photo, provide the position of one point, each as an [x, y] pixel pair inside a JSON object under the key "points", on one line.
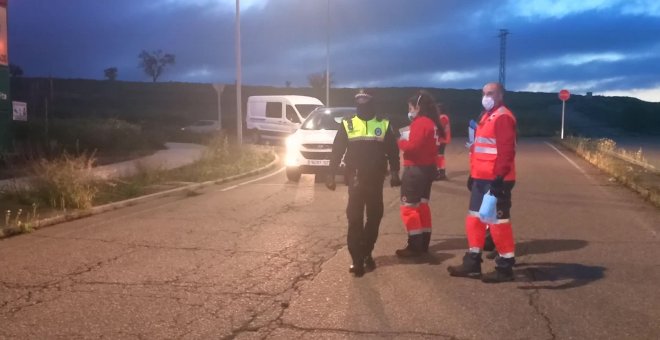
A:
{"points": [[153, 64], [111, 73], [15, 70], [317, 80], [287, 83]]}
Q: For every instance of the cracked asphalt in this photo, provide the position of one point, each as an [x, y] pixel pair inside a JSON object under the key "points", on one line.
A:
{"points": [[268, 260]]}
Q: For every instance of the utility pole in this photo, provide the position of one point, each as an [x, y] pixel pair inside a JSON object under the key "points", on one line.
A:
{"points": [[502, 36], [239, 105], [327, 58]]}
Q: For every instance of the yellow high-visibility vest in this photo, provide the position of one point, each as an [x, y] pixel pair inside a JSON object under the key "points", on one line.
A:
{"points": [[371, 130]]}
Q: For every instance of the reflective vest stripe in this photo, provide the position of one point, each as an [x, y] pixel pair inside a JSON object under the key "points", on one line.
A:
{"points": [[486, 150], [366, 138], [484, 140]]}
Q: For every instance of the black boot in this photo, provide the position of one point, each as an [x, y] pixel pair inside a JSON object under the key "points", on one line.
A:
{"points": [[471, 266], [369, 263], [426, 241], [357, 269], [414, 247], [441, 175], [503, 271]]}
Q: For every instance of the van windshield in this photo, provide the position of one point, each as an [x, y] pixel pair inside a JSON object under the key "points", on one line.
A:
{"points": [[326, 119], [305, 109]]}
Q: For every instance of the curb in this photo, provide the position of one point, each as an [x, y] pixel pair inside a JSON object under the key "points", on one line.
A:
{"points": [[76, 215], [645, 193]]}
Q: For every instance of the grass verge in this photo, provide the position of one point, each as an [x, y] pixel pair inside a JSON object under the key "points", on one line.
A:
{"points": [[66, 183], [603, 154]]}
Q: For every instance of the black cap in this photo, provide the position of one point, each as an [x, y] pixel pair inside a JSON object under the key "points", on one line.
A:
{"points": [[362, 97]]}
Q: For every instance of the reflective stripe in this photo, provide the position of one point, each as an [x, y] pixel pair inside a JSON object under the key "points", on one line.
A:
{"points": [[425, 200], [473, 213], [370, 138], [427, 230], [482, 149], [412, 205], [504, 221], [485, 140], [415, 232], [507, 255]]}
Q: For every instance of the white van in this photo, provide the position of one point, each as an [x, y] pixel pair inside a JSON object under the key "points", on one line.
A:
{"points": [[276, 117]]}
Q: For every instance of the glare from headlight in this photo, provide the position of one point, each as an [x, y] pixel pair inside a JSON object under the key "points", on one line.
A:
{"points": [[292, 151]]}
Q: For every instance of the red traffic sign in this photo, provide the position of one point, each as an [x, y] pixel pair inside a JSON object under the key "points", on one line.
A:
{"points": [[564, 95]]}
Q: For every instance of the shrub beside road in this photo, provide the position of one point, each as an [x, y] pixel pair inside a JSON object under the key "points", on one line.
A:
{"points": [[67, 182]]}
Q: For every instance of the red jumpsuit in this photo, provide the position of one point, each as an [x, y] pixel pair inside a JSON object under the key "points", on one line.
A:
{"points": [[493, 155], [443, 141], [419, 157]]}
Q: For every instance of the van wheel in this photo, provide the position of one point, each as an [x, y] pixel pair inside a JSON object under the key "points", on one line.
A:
{"points": [[293, 174]]}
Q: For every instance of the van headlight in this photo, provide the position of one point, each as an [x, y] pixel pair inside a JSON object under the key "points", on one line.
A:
{"points": [[292, 151]]}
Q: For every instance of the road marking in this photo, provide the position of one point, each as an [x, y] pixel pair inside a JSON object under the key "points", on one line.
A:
{"points": [[568, 159], [254, 180], [637, 219]]}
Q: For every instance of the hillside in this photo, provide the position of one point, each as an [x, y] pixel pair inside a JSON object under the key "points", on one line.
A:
{"points": [[174, 104]]}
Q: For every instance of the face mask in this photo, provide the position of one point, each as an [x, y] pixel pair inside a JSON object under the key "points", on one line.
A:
{"points": [[412, 115], [488, 103]]}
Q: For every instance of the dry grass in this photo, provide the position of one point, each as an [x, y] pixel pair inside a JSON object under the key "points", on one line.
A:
{"points": [[601, 153]]}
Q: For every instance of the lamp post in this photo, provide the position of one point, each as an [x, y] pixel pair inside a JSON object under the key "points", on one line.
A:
{"points": [[239, 106], [327, 58]]}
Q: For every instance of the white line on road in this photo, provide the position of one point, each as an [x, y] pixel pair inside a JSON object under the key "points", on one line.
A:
{"points": [[646, 225], [254, 180], [568, 159]]}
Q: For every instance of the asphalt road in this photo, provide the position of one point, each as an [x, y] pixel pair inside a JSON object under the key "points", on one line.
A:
{"points": [[267, 259]]}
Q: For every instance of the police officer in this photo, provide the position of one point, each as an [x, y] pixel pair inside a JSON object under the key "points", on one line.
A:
{"points": [[492, 168], [368, 143]]}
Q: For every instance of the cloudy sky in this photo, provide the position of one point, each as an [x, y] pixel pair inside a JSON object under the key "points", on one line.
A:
{"points": [[610, 47]]}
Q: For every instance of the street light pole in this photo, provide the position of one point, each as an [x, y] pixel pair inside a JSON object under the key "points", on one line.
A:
{"points": [[327, 58], [239, 105]]}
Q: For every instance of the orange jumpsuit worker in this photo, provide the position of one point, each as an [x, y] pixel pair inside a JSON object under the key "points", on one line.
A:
{"points": [[443, 140], [419, 156], [492, 168]]}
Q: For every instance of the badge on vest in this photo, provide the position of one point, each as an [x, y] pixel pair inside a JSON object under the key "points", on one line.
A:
{"points": [[378, 132]]}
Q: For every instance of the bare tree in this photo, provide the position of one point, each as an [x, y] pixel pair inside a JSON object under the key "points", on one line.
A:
{"points": [[317, 80], [154, 63], [111, 73]]}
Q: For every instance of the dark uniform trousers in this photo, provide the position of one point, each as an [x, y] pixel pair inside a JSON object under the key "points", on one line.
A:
{"points": [[364, 191]]}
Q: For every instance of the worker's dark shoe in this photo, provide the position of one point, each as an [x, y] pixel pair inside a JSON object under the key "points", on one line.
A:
{"points": [[426, 241], [414, 247], [503, 271], [489, 245], [408, 252], [471, 266], [356, 269], [369, 263], [441, 175]]}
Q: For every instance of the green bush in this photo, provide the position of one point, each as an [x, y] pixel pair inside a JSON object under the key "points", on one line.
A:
{"points": [[104, 136]]}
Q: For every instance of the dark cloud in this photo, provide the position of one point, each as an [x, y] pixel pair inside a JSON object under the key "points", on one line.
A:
{"points": [[447, 43]]}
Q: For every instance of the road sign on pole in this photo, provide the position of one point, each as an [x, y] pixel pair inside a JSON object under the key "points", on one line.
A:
{"points": [[563, 96]]}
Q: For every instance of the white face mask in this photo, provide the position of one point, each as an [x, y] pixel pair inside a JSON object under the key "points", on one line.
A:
{"points": [[488, 103], [412, 115]]}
